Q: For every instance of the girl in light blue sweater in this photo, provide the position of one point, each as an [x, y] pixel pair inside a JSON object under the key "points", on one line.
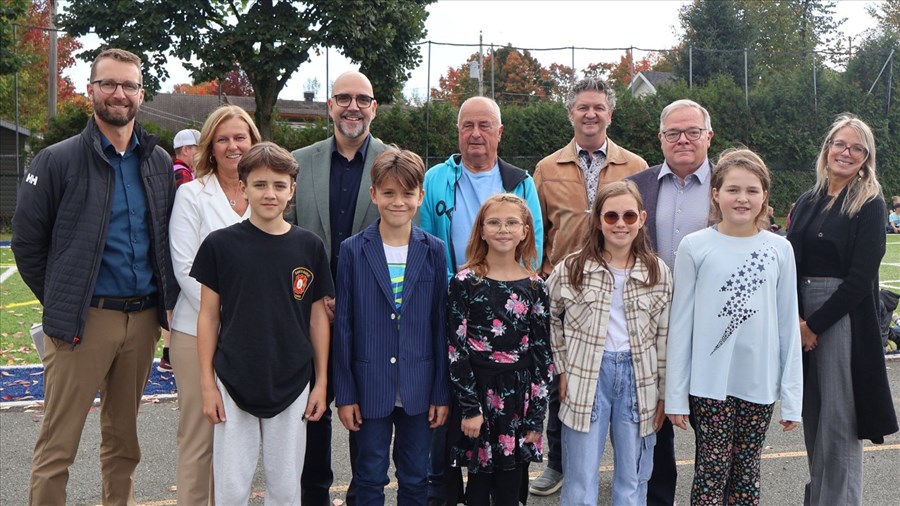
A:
{"points": [[734, 336]]}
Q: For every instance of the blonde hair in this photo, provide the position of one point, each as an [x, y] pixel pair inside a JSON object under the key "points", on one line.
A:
{"points": [[204, 161], [860, 189], [477, 250], [751, 162]]}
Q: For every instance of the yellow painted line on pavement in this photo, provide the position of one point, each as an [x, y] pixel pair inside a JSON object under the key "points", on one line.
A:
{"points": [[604, 469], [20, 304]]}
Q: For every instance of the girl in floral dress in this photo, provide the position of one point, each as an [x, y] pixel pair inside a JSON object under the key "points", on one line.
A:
{"points": [[500, 363]]}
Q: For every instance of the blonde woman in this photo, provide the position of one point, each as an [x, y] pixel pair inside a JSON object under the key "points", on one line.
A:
{"points": [[210, 202], [837, 231]]}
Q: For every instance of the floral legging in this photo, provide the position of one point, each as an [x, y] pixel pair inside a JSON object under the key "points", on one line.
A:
{"points": [[730, 437]]}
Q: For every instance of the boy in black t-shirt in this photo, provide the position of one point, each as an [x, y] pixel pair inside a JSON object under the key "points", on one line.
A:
{"points": [[262, 325], [390, 346]]}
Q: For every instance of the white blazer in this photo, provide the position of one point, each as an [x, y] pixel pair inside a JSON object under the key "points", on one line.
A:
{"points": [[201, 207]]}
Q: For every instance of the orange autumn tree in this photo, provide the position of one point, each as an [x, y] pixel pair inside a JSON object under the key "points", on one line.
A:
{"points": [[33, 45], [235, 84], [519, 78]]}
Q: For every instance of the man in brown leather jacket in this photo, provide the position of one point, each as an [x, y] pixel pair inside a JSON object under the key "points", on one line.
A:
{"points": [[567, 182]]}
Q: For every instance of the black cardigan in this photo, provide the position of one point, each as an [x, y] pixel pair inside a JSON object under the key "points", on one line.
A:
{"points": [[860, 242]]}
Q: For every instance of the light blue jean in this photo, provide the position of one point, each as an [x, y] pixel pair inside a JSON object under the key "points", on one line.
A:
{"points": [[615, 411]]}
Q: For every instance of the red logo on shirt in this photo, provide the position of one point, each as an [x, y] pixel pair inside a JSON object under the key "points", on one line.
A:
{"points": [[302, 278]]}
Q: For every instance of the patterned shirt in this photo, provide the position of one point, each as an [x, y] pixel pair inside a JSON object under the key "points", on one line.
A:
{"points": [[578, 339], [591, 164]]}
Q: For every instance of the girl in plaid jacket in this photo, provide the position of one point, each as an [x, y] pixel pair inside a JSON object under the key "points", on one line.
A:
{"points": [[609, 309]]}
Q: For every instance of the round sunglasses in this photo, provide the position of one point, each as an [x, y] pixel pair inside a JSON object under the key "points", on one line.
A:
{"points": [[612, 217]]}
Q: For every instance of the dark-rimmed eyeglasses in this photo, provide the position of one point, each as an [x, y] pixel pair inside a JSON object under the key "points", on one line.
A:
{"points": [[344, 99], [857, 150], [692, 134], [494, 225], [109, 86], [612, 217]]}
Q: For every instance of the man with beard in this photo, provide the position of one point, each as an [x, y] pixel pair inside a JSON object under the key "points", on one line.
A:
{"points": [[332, 200], [90, 237]]}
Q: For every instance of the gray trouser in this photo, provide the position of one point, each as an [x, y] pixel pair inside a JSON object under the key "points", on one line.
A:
{"points": [[834, 452]]}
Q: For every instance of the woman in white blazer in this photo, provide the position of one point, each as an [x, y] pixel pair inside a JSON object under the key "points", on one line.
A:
{"points": [[210, 202]]}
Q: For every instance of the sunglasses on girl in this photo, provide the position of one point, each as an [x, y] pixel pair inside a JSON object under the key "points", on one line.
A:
{"points": [[612, 217]]}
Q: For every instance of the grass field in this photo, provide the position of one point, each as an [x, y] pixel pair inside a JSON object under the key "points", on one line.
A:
{"points": [[19, 309]]}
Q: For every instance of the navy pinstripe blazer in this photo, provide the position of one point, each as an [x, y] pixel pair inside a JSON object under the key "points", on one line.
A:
{"points": [[371, 357]]}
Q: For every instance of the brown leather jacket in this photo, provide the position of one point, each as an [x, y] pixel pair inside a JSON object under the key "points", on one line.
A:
{"points": [[563, 198]]}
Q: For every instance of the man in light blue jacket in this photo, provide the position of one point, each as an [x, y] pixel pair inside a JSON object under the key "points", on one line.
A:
{"points": [[454, 192], [455, 189]]}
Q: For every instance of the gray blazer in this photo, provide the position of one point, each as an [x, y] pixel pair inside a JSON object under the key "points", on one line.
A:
{"points": [[311, 206]]}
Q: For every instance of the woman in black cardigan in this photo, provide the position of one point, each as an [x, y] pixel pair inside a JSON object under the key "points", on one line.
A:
{"points": [[838, 238]]}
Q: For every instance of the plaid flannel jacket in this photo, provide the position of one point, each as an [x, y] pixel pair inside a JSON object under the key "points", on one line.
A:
{"points": [[578, 326]]}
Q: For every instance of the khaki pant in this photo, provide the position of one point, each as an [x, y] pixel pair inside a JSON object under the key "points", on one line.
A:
{"points": [[195, 433], [114, 357]]}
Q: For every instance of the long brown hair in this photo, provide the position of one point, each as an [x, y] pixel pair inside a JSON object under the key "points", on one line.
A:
{"points": [[477, 250], [595, 242]]}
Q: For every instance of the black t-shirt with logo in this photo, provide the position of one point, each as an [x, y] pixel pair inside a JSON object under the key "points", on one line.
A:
{"points": [[267, 285]]}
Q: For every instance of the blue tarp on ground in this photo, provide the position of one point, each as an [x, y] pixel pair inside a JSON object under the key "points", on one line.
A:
{"points": [[26, 383]]}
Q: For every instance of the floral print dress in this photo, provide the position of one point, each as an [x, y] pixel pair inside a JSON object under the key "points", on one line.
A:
{"points": [[500, 368]]}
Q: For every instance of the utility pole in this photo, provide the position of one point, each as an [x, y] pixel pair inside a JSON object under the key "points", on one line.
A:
{"points": [[52, 71], [480, 64]]}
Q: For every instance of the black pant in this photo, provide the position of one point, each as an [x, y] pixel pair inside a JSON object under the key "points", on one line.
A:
{"points": [[554, 428], [317, 476], [503, 486], [661, 488]]}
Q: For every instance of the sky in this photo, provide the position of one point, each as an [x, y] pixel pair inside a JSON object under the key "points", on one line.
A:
{"points": [[616, 25]]}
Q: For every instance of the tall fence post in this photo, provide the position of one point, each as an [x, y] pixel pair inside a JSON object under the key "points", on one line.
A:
{"points": [[815, 86], [19, 174], [746, 79], [690, 67], [428, 107]]}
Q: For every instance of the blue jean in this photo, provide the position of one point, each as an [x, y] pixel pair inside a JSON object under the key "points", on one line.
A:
{"points": [[615, 411], [411, 442]]}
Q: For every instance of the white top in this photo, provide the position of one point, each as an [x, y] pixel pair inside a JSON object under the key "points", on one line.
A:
{"points": [[201, 207], [617, 330], [734, 327]]}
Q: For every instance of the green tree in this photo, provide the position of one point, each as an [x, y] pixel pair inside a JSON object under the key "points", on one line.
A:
{"points": [[269, 40], [888, 15], [777, 35], [11, 11]]}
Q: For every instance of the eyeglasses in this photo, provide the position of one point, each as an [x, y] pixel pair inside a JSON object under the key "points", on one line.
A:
{"points": [[362, 101], [612, 217], [838, 147], [692, 134], [109, 86], [494, 225]]}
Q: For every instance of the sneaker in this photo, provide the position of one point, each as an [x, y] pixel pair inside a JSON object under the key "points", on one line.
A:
{"points": [[547, 483], [164, 366]]}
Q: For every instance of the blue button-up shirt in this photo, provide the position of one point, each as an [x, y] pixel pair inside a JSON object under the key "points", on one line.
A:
{"points": [[343, 191], [681, 208], [125, 268]]}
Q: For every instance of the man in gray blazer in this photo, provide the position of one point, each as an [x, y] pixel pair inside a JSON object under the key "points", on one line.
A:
{"points": [[332, 201]]}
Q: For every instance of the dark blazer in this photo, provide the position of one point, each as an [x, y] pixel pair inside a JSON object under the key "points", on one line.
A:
{"points": [[647, 182], [311, 202], [372, 357], [860, 241]]}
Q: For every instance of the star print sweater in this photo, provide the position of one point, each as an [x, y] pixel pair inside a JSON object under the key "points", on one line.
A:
{"points": [[733, 328]]}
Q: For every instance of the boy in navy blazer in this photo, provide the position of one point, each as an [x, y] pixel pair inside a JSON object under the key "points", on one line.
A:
{"points": [[389, 347]]}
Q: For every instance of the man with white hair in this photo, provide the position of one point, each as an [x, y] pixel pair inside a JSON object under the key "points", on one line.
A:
{"points": [[454, 192], [676, 196]]}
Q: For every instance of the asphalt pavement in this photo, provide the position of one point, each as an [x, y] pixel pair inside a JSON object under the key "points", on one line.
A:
{"points": [[784, 468]]}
